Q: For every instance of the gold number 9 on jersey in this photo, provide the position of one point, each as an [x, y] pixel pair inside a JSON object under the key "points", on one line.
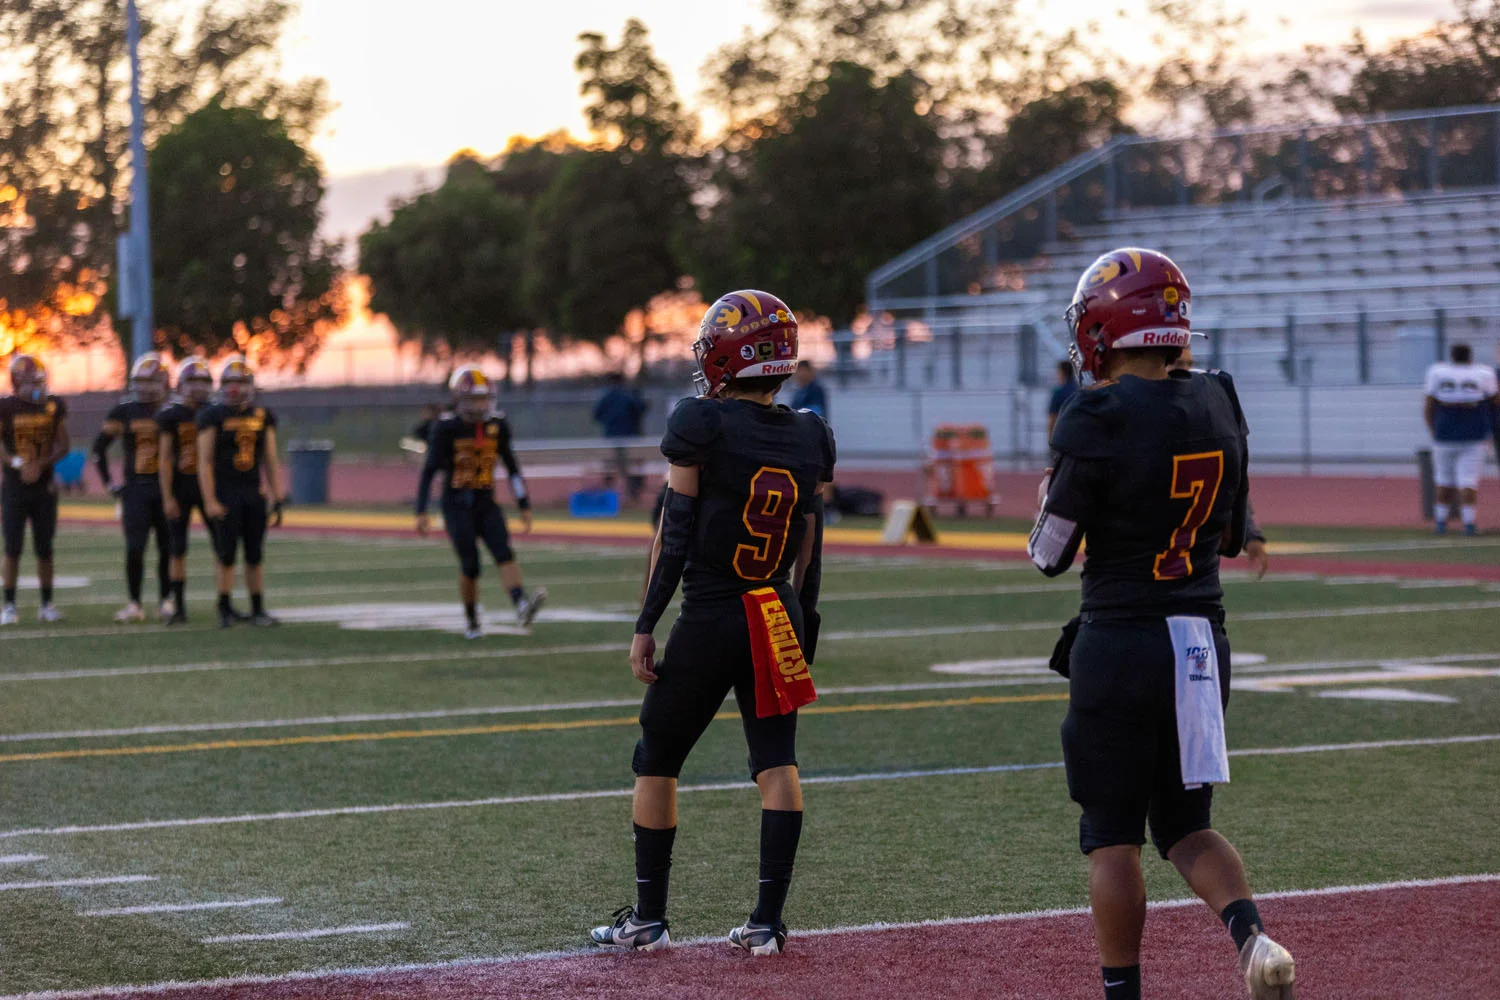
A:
{"points": [[244, 453], [768, 518]]}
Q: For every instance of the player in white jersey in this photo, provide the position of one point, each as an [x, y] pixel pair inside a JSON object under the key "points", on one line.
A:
{"points": [[1460, 397]]}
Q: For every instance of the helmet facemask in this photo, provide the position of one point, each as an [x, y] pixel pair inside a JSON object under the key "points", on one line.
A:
{"points": [[237, 392]]}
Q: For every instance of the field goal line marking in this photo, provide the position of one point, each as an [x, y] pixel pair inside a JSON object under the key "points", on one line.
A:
{"points": [[365, 972], [612, 793]]}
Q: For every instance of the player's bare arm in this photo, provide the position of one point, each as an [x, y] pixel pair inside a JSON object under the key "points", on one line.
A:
{"points": [[166, 470], [669, 558], [273, 477], [207, 438], [108, 432]]}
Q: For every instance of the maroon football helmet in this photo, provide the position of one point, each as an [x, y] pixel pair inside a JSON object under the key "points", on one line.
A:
{"points": [[195, 383], [28, 377], [745, 334], [1128, 298], [473, 393], [236, 382]]}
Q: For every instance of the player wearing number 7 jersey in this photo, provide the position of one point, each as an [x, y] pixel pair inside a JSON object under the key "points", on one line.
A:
{"points": [[236, 442], [741, 529], [1149, 466]]}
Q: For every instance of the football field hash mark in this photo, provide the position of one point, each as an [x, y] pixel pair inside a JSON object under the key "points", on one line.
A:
{"points": [[75, 883], [321, 932], [228, 904]]}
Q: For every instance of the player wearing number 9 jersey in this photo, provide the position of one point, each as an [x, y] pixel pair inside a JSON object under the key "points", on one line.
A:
{"points": [[1150, 466], [236, 443], [741, 529]]}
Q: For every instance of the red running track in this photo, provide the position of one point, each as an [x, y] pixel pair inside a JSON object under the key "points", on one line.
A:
{"points": [[1425, 943]]}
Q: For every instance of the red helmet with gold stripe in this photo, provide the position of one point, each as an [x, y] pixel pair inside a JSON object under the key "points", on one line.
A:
{"points": [[745, 334], [1128, 298], [473, 393]]}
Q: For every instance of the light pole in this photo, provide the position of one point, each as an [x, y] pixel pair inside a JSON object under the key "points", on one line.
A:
{"points": [[142, 331]]}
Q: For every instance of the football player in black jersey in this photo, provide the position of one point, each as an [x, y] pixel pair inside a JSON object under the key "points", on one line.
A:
{"points": [[133, 421], [464, 446], [741, 529], [177, 423], [33, 436], [1151, 467], [236, 443]]}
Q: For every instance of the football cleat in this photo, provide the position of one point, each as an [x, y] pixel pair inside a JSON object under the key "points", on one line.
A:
{"points": [[8, 615], [167, 608], [759, 939], [527, 608], [1268, 969], [130, 613], [473, 631], [1471, 530], [628, 933], [48, 613], [177, 617], [1440, 528], [262, 620], [227, 618]]}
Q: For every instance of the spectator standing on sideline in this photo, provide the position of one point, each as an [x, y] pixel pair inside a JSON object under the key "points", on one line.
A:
{"points": [[619, 412], [1458, 406], [1061, 393], [810, 394]]}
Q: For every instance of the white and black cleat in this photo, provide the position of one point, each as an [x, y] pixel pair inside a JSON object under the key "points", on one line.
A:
{"points": [[8, 615], [132, 612], [1268, 969], [630, 934], [473, 631], [48, 614], [759, 939], [529, 605]]}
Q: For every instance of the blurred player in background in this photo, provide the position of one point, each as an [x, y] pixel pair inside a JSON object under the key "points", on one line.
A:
{"points": [[177, 423], [1459, 401], [1061, 393], [464, 446], [1255, 539], [741, 529], [1151, 467], [133, 422], [236, 443], [33, 436]]}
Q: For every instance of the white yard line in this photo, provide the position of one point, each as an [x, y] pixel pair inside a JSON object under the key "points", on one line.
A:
{"points": [[21, 859], [611, 793], [321, 932], [365, 972], [228, 904], [76, 883]]}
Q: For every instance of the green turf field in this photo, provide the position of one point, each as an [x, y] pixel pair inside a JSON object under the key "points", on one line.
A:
{"points": [[518, 748]]}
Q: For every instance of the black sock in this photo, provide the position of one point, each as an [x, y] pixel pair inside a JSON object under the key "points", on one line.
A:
{"points": [[516, 595], [780, 829], [135, 571], [471, 615], [46, 593], [1122, 982], [177, 592], [163, 578], [653, 868], [224, 603], [257, 604], [10, 595], [1242, 919]]}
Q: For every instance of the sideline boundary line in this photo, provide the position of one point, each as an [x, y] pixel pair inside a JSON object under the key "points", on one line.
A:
{"points": [[612, 793], [366, 972]]}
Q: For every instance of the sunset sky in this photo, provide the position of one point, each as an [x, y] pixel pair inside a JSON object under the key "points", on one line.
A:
{"points": [[447, 74]]}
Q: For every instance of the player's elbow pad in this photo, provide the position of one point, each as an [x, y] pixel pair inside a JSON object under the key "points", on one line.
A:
{"points": [[1053, 543]]}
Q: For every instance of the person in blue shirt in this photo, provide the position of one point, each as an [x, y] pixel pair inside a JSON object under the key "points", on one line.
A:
{"points": [[1460, 397], [619, 413], [810, 394], [1060, 394]]}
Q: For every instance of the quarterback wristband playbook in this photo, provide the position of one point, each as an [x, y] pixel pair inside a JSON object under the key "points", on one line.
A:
{"points": [[678, 515]]}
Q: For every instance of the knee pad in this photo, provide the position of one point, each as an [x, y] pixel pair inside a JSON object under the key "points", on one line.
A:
{"points": [[653, 759]]}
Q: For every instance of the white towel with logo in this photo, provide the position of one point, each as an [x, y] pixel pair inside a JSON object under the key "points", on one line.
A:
{"points": [[1200, 714]]}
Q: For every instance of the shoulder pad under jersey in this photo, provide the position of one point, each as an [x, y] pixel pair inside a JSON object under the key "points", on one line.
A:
{"points": [[1086, 426], [692, 429]]}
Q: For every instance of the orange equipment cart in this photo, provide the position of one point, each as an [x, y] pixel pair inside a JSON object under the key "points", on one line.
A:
{"points": [[960, 467]]}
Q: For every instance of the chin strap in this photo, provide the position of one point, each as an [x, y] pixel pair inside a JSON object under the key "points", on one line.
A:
{"points": [[678, 518]]}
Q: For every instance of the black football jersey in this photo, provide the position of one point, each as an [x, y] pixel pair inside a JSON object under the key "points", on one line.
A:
{"points": [[179, 421], [239, 445], [134, 423], [1153, 472], [29, 431], [760, 471], [465, 453]]}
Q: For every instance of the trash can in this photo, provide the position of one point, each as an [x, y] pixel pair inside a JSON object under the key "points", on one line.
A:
{"points": [[310, 462], [1424, 474]]}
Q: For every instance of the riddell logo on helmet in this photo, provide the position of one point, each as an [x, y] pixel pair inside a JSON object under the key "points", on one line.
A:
{"points": [[1164, 339], [778, 368]]}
